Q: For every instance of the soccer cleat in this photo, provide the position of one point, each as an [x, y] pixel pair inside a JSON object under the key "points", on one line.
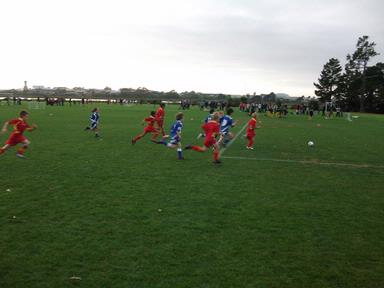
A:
{"points": [[216, 162], [188, 147], [200, 135], [87, 128], [133, 142], [249, 148], [20, 155]]}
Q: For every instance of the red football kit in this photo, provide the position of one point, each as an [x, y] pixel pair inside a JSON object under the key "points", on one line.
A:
{"points": [[251, 127], [251, 131], [150, 124], [19, 126], [160, 113], [211, 128]]}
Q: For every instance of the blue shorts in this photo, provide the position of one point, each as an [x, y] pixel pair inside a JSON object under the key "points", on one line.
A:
{"points": [[174, 140], [93, 125], [224, 133]]}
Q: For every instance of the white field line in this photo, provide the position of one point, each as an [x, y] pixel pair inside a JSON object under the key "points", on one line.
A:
{"points": [[355, 165], [233, 140]]}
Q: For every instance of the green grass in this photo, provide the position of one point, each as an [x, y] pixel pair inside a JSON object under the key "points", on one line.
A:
{"points": [[90, 208]]}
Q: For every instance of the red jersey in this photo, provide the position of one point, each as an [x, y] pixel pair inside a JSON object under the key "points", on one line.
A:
{"points": [[160, 113], [211, 128], [251, 126], [150, 121], [19, 125]]}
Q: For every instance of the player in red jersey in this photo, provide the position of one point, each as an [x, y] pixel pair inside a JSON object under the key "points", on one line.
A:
{"points": [[251, 130], [211, 129], [160, 114], [150, 128], [17, 137]]}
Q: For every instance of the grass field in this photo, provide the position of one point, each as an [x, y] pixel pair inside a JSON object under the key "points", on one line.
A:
{"points": [[117, 215]]}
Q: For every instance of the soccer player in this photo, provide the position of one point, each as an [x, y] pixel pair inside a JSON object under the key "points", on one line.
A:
{"points": [[251, 130], [208, 118], [226, 122], [95, 119], [160, 114], [148, 129], [17, 137], [175, 136], [211, 129]]}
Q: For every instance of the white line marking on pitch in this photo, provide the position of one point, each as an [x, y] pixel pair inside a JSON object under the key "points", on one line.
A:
{"points": [[356, 165], [233, 140]]}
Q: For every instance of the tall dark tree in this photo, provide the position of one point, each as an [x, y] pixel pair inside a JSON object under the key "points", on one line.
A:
{"points": [[374, 101], [357, 64], [329, 81]]}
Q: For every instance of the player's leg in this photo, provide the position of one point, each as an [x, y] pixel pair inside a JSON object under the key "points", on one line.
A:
{"points": [[4, 148], [196, 148], [96, 130], [155, 134], [21, 150], [227, 138], [250, 141], [216, 153], [179, 151], [138, 137], [160, 124]]}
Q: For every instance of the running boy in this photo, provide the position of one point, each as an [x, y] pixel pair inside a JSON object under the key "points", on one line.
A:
{"points": [[95, 119], [148, 129], [17, 137], [160, 114], [211, 129], [251, 130], [226, 123], [175, 137]]}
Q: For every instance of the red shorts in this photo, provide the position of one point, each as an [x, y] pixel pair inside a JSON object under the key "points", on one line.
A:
{"points": [[209, 142], [15, 139], [150, 129], [251, 135]]}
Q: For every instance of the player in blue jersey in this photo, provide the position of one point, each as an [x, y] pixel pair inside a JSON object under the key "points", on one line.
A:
{"points": [[175, 136], [94, 125], [206, 120], [226, 123]]}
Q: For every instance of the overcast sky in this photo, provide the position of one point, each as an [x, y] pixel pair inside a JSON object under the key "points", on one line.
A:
{"points": [[215, 46]]}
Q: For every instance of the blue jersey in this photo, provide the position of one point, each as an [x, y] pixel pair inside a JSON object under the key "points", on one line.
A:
{"points": [[225, 124], [94, 117], [175, 130]]}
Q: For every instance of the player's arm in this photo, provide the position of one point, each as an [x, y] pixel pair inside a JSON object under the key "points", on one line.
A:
{"points": [[32, 127], [5, 127]]}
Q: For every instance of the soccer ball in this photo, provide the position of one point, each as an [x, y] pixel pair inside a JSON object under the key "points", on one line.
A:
{"points": [[311, 143]]}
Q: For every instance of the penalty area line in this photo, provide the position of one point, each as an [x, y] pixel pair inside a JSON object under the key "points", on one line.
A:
{"points": [[233, 140], [354, 165]]}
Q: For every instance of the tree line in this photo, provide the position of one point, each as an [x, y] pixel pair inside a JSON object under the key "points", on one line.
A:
{"points": [[359, 87]]}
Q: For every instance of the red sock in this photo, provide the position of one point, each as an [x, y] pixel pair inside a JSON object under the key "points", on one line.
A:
{"points": [[138, 137], [197, 148], [2, 151], [250, 144], [216, 155]]}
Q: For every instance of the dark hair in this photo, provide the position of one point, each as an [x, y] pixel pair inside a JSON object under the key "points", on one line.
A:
{"points": [[162, 105], [211, 111], [94, 109], [179, 116], [23, 113], [229, 111], [153, 113]]}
